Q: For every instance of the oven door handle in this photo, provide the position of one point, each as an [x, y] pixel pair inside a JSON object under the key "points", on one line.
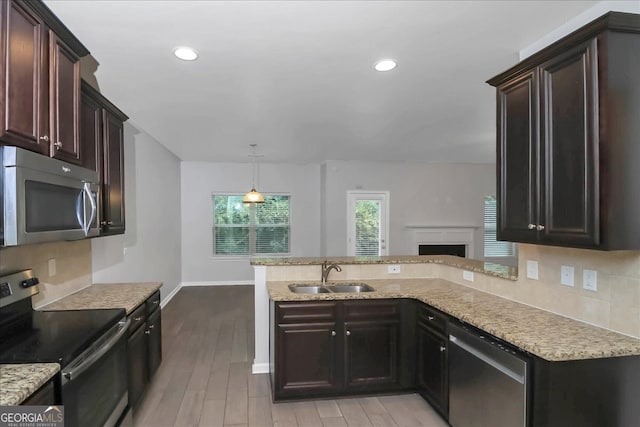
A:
{"points": [[96, 354]]}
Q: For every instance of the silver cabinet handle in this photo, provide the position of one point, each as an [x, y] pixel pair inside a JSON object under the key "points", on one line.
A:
{"points": [[151, 326], [44, 138], [58, 145], [531, 226], [540, 227], [442, 348], [148, 332], [348, 333], [106, 222], [137, 319], [333, 333], [430, 317], [156, 302]]}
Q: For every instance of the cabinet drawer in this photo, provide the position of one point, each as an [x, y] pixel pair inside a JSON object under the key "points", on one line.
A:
{"points": [[137, 318], [374, 309], [153, 302], [296, 312], [432, 318]]}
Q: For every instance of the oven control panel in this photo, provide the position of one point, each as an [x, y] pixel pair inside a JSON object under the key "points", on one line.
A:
{"points": [[5, 290], [17, 286]]}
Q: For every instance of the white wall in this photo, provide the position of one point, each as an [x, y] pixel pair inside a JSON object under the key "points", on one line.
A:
{"points": [[420, 194], [150, 248], [199, 180]]}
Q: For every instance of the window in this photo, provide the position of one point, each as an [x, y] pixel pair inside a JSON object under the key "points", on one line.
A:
{"points": [[247, 229], [492, 247]]}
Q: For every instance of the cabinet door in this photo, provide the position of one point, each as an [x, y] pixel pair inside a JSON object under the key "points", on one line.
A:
{"points": [[569, 138], [24, 111], [306, 359], [91, 133], [137, 365], [371, 354], [432, 367], [154, 339], [113, 177], [64, 100], [517, 159]]}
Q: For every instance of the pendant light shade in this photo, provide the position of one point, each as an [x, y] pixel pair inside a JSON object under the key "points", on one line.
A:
{"points": [[253, 196]]}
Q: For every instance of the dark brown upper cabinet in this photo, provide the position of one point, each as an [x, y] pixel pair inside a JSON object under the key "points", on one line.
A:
{"points": [[102, 145], [40, 85], [568, 140]]}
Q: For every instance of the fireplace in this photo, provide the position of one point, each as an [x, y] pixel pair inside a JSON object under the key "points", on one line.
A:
{"points": [[457, 250], [443, 240]]}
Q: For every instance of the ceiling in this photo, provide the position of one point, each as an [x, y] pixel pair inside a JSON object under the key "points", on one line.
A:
{"points": [[297, 78]]}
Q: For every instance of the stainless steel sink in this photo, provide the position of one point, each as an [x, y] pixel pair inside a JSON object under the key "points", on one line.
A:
{"points": [[338, 288], [308, 289], [351, 287]]}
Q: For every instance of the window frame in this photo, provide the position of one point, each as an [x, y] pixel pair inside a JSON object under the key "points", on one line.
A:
{"points": [[253, 227], [494, 229]]}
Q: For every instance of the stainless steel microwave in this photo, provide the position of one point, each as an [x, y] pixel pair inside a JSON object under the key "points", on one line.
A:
{"points": [[45, 199]]}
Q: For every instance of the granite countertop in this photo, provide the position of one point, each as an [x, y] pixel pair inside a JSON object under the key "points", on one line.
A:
{"points": [[547, 335], [18, 382], [107, 295], [489, 268]]}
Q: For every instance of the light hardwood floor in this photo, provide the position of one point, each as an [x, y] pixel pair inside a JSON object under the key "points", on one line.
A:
{"points": [[205, 378]]}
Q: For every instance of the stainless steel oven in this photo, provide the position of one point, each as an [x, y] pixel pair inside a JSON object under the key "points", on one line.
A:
{"points": [[94, 385], [45, 199], [89, 345]]}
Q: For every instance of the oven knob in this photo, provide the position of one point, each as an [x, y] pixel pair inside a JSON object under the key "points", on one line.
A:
{"points": [[29, 282]]}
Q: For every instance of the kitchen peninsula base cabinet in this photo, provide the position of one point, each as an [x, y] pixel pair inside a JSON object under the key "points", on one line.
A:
{"points": [[144, 347], [586, 393], [432, 358], [331, 348]]}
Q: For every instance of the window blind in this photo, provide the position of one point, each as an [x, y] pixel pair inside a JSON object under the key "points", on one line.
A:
{"points": [[493, 247]]}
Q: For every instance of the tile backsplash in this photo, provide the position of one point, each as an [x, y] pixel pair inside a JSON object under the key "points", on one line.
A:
{"points": [[72, 267], [614, 305]]}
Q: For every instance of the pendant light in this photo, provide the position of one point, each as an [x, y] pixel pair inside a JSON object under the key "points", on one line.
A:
{"points": [[253, 196]]}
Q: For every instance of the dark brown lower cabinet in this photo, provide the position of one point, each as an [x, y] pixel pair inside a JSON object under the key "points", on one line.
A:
{"points": [[327, 348], [432, 367], [144, 347], [154, 340], [137, 355], [432, 371]]}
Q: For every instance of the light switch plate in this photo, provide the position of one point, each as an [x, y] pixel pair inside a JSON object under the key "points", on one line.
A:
{"points": [[393, 269], [532, 270], [590, 280], [566, 275], [467, 275]]}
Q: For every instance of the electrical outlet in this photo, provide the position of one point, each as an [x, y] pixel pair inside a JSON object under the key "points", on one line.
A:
{"points": [[590, 280], [532, 270], [467, 275], [566, 275], [393, 269], [52, 267]]}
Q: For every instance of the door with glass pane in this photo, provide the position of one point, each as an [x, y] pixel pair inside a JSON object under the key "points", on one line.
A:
{"points": [[367, 223]]}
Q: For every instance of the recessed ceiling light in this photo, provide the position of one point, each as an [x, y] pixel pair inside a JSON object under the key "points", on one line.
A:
{"points": [[385, 65], [185, 53]]}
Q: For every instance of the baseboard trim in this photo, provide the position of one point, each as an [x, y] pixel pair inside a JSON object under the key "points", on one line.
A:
{"points": [[171, 294], [260, 368], [219, 283]]}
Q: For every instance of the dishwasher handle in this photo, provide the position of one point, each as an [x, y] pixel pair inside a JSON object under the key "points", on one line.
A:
{"points": [[470, 348]]}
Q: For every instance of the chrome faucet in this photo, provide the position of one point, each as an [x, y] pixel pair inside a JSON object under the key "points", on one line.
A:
{"points": [[326, 269]]}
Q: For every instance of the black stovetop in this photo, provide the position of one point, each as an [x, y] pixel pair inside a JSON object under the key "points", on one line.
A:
{"points": [[53, 336]]}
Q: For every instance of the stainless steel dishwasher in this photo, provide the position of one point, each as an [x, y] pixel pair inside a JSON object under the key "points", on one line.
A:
{"points": [[487, 380]]}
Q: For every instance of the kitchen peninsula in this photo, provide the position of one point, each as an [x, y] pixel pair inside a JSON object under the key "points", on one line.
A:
{"points": [[567, 356]]}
